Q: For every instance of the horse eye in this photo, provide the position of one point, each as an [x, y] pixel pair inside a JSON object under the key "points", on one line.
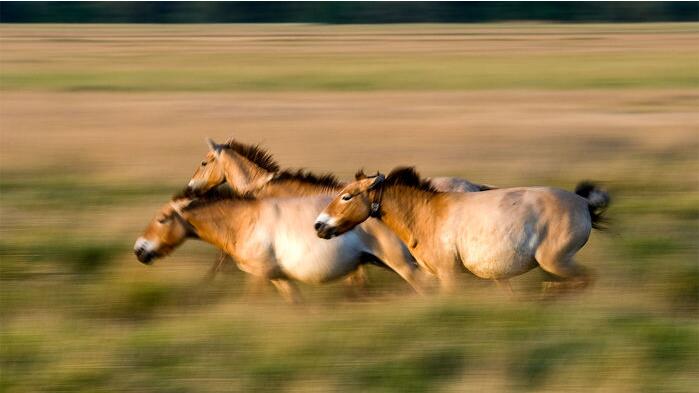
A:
{"points": [[162, 220], [203, 163], [347, 197]]}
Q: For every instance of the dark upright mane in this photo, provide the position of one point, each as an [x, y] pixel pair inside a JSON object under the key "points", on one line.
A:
{"points": [[215, 194], [407, 176], [324, 180], [254, 153]]}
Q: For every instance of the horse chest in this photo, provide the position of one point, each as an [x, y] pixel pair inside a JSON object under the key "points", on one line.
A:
{"points": [[255, 255], [313, 260]]}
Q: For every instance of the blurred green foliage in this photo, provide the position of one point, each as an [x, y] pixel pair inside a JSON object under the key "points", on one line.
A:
{"points": [[106, 331], [356, 72], [339, 12]]}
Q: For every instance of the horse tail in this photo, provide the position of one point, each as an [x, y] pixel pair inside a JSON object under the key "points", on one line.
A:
{"points": [[597, 202]]}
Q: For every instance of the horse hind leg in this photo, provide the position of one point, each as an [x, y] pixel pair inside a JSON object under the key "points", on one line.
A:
{"points": [[573, 275]]}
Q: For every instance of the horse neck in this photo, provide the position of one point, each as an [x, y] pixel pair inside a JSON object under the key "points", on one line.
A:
{"points": [[408, 212], [241, 174], [219, 223], [293, 187]]}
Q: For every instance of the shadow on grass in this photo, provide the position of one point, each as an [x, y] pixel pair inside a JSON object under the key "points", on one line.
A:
{"points": [[75, 258], [532, 369], [419, 372], [71, 192]]}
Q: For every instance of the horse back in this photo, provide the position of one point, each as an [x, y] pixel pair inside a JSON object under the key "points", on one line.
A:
{"points": [[497, 233]]}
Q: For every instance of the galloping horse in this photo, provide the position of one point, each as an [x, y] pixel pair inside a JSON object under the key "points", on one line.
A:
{"points": [[495, 234], [250, 169], [264, 238]]}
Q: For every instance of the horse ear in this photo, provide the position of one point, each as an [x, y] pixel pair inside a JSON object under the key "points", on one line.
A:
{"points": [[213, 146], [378, 180], [359, 175], [180, 205]]}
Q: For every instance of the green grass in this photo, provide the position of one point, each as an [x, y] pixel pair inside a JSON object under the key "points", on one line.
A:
{"points": [[366, 58], [339, 72], [97, 327], [416, 347], [64, 192]]}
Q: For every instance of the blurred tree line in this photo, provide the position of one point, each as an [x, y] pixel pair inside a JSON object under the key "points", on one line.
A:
{"points": [[343, 12]]}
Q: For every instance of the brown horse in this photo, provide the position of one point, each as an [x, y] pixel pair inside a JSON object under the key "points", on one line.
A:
{"points": [[265, 240], [250, 169], [495, 234]]}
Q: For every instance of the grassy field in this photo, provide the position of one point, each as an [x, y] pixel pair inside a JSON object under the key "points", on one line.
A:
{"points": [[329, 58], [99, 125]]}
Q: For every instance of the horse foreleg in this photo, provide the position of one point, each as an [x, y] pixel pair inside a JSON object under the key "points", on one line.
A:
{"points": [[447, 281], [396, 257], [505, 285], [288, 290], [254, 285], [214, 269]]}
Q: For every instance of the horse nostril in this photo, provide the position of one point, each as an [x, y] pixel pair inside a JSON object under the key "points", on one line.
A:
{"points": [[318, 225]]}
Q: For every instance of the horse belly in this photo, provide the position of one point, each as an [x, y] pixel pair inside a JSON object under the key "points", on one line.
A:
{"points": [[312, 260], [498, 260], [495, 268]]}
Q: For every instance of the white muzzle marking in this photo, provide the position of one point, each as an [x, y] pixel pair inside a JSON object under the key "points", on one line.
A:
{"points": [[324, 218], [145, 245], [196, 184]]}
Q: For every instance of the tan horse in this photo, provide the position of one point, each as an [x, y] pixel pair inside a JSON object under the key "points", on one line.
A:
{"points": [[265, 239], [495, 234], [250, 169]]}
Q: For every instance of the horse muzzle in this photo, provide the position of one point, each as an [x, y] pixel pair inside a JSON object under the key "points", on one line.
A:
{"points": [[144, 251], [324, 231], [144, 256], [196, 187]]}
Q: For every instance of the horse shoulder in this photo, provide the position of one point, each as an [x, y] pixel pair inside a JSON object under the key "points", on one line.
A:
{"points": [[438, 228]]}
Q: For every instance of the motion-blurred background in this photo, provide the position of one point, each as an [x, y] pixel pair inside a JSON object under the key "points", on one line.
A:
{"points": [[101, 123]]}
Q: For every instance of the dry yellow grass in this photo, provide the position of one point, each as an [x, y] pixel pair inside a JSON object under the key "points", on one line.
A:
{"points": [[499, 137], [347, 58]]}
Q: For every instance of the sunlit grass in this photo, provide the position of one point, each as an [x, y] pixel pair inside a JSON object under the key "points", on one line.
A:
{"points": [[418, 346], [82, 308], [338, 72], [72, 294], [393, 58], [162, 335]]}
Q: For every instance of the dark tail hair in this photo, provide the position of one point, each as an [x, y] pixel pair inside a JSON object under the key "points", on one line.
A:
{"points": [[597, 202]]}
